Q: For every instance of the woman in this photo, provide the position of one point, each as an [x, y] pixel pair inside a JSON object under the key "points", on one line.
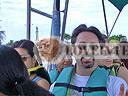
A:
{"points": [[123, 47], [38, 74], [116, 65], [14, 78]]}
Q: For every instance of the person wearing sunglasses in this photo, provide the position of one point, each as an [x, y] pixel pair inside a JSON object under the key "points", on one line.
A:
{"points": [[87, 78], [30, 57]]}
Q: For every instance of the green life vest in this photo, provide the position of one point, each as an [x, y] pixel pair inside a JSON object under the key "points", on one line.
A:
{"points": [[96, 85], [53, 75]]}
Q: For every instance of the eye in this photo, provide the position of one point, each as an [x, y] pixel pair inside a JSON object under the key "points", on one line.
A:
{"points": [[93, 47], [82, 47], [24, 58]]}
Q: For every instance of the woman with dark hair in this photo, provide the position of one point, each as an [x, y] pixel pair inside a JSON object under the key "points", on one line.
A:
{"points": [[14, 78], [30, 56]]}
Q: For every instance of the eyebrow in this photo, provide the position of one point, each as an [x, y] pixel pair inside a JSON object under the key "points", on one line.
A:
{"points": [[82, 42], [24, 55]]}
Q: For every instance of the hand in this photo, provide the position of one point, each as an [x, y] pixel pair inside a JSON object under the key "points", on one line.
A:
{"points": [[64, 63], [60, 66], [122, 92]]}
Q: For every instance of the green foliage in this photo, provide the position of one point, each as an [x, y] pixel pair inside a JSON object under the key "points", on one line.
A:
{"points": [[10, 43], [2, 35], [116, 37], [67, 37]]}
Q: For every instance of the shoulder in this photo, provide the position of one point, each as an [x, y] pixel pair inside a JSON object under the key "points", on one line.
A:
{"points": [[115, 80], [114, 83], [43, 83], [36, 78]]}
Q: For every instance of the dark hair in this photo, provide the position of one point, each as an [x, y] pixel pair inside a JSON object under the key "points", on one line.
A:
{"points": [[76, 31], [104, 36], [83, 28], [14, 79], [26, 44], [29, 45]]}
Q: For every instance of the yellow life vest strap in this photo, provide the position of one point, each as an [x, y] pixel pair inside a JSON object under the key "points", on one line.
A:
{"points": [[33, 69]]}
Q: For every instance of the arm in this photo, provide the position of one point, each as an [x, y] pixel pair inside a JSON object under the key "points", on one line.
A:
{"points": [[123, 73], [122, 93], [114, 85], [44, 84]]}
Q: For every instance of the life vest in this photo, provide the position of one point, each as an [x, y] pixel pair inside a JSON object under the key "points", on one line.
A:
{"points": [[33, 69], [36, 79], [53, 75], [96, 85], [40, 72]]}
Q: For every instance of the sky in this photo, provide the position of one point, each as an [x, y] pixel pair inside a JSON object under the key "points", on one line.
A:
{"points": [[90, 12]]}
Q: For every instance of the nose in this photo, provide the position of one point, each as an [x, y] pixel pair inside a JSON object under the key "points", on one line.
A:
{"points": [[83, 51]]}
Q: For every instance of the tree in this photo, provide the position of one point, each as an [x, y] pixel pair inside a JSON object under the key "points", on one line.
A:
{"points": [[10, 43], [67, 37], [2, 35], [116, 37]]}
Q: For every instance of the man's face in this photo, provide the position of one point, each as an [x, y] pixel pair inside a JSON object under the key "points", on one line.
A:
{"points": [[86, 57]]}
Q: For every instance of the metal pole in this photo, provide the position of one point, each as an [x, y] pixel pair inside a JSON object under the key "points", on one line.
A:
{"points": [[105, 18], [114, 23], [55, 30], [37, 33], [41, 13], [28, 19], [64, 19]]}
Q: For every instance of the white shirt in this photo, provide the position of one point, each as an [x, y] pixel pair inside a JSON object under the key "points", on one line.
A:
{"points": [[113, 83]]}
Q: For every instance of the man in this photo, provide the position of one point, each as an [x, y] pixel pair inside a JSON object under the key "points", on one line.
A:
{"points": [[87, 78]]}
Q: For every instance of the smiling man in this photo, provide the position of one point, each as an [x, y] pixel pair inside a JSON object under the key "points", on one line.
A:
{"points": [[87, 78]]}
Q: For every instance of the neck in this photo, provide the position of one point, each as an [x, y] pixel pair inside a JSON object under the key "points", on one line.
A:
{"points": [[80, 70]]}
